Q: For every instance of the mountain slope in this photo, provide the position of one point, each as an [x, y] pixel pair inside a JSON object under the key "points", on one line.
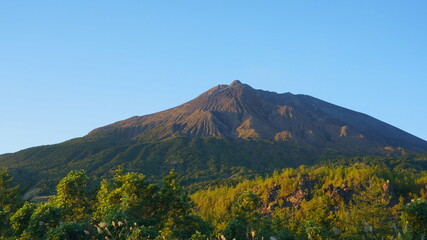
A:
{"points": [[230, 131], [238, 111]]}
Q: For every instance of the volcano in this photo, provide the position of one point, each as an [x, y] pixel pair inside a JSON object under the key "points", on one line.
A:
{"points": [[237, 111], [225, 133]]}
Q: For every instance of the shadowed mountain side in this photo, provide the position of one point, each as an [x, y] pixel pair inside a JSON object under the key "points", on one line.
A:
{"points": [[196, 159]]}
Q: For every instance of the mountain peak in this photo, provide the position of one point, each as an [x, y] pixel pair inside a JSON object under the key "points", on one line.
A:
{"points": [[235, 83]]}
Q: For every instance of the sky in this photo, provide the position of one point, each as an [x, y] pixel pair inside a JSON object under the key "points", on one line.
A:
{"points": [[68, 67]]}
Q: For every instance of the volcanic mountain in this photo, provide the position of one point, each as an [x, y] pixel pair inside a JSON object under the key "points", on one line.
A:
{"points": [[226, 132], [237, 111]]}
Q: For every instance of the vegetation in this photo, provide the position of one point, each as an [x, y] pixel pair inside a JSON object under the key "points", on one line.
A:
{"points": [[196, 160], [124, 207], [354, 200], [200, 162], [225, 145], [358, 201]]}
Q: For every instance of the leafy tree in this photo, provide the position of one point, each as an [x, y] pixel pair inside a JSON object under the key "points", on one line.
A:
{"points": [[246, 206], [127, 197], [236, 229], [369, 215], [280, 223], [414, 216], [246, 215], [44, 218], [187, 226], [8, 194], [198, 236], [69, 231], [21, 218], [4, 224], [72, 196], [172, 199], [314, 230], [174, 207], [8, 201]]}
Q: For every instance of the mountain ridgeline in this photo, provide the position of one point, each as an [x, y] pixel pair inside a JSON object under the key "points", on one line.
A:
{"points": [[228, 132]]}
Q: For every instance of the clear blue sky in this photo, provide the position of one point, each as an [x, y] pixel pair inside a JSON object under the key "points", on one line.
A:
{"points": [[67, 67]]}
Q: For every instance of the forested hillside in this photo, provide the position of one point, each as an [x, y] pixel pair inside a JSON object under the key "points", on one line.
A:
{"points": [[197, 160], [357, 201], [359, 198]]}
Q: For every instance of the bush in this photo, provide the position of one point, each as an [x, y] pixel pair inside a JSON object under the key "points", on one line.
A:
{"points": [[414, 216], [69, 231]]}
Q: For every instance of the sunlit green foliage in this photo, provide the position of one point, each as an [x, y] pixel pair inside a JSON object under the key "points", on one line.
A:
{"points": [[126, 197], [354, 201], [21, 218], [72, 196], [349, 201], [125, 207], [414, 217]]}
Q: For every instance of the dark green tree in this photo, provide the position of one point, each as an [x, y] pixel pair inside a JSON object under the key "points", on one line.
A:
{"points": [[236, 229], [8, 194], [174, 206], [44, 218], [414, 217], [172, 199], [245, 223], [8, 201], [69, 231]]}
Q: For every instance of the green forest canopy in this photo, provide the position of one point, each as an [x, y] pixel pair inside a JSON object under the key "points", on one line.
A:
{"points": [[350, 201]]}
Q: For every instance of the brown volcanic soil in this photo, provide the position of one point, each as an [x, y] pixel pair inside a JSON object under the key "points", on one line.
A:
{"points": [[238, 111]]}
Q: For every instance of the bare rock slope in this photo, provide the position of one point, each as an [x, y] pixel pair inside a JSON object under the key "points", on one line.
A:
{"points": [[237, 111]]}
